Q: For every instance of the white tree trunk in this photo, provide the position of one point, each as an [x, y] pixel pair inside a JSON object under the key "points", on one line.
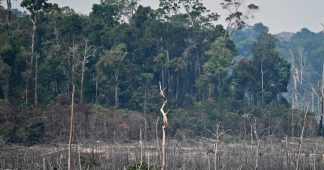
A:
{"points": [[116, 90], [83, 69], [71, 129], [164, 127]]}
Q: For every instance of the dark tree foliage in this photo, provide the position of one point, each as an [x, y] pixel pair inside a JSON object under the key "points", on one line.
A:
{"points": [[266, 75], [122, 52]]}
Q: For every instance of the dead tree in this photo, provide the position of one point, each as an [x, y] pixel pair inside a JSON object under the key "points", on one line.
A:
{"points": [[84, 61], [298, 64], [219, 132], [301, 139], [141, 145], [320, 131], [34, 21], [294, 97], [316, 94], [156, 122], [262, 81], [317, 91], [258, 144], [74, 64], [164, 126], [71, 129]]}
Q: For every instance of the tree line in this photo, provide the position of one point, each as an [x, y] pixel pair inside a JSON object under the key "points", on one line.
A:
{"points": [[117, 55]]}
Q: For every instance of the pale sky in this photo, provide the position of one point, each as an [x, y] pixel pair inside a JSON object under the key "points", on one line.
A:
{"points": [[278, 15]]}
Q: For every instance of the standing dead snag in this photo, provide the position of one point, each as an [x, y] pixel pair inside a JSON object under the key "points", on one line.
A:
{"points": [[320, 131], [219, 132], [156, 122], [84, 61], [71, 129], [258, 144], [164, 126], [301, 138]]}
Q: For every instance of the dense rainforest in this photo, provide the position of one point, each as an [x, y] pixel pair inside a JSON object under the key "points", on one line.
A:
{"points": [[237, 76]]}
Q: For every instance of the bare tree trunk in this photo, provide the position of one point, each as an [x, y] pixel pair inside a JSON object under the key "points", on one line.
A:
{"points": [[157, 136], [148, 160], [227, 31], [9, 12], [251, 136], [73, 59], [320, 131], [218, 134], [30, 70], [141, 144], [312, 104], [164, 127], [196, 73], [34, 21], [157, 133], [5, 84], [301, 64], [82, 74], [96, 90], [322, 106], [162, 75], [84, 61], [258, 145], [56, 32], [26, 93], [269, 124], [215, 154], [71, 129], [244, 130], [79, 157], [297, 69], [116, 90], [294, 98], [177, 91], [262, 82], [36, 81], [144, 110], [163, 147], [301, 139], [169, 75]]}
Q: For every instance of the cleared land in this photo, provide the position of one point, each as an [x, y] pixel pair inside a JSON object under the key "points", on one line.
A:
{"points": [[275, 154]]}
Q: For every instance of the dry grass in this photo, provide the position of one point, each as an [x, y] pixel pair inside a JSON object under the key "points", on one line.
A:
{"points": [[198, 155]]}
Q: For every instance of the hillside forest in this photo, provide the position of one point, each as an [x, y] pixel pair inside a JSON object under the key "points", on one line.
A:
{"points": [[238, 77]]}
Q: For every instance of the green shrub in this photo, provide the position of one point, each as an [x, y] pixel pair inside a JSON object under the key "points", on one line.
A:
{"points": [[8, 132]]}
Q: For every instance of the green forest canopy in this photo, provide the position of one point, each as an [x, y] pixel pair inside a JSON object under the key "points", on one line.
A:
{"points": [[118, 53]]}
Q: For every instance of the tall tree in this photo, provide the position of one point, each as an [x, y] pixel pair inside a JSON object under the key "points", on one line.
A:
{"points": [[274, 72], [34, 7], [87, 49], [113, 59], [270, 73], [218, 63], [5, 71], [238, 14], [194, 10]]}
